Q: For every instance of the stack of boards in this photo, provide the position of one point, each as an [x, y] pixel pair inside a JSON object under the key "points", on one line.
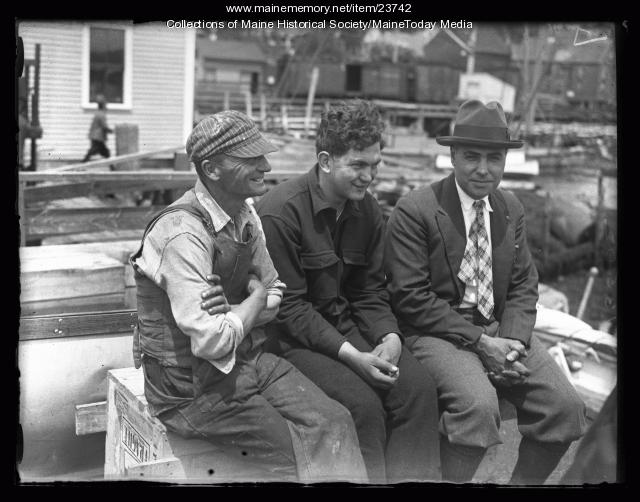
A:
{"points": [[76, 278]]}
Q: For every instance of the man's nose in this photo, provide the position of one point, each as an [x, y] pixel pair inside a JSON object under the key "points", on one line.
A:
{"points": [[264, 166], [367, 174], [482, 166]]}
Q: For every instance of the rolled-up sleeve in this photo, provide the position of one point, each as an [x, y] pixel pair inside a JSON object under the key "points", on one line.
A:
{"points": [[183, 265]]}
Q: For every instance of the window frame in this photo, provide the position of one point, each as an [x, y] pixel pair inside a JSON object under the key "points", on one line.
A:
{"points": [[127, 72]]}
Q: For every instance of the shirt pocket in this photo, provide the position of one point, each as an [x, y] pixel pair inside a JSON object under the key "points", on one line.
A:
{"points": [[322, 274], [355, 267]]}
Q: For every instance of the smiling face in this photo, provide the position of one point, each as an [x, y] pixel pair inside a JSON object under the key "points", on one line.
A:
{"points": [[478, 170], [241, 177], [349, 175]]}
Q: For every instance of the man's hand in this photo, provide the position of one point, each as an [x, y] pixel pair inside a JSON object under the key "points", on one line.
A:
{"points": [[214, 301], [497, 356], [255, 284], [372, 369], [389, 349]]}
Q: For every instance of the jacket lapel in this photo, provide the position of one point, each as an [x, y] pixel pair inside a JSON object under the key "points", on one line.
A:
{"points": [[502, 248], [451, 225]]}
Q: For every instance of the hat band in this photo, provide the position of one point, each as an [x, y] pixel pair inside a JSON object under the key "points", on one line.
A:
{"points": [[483, 133]]}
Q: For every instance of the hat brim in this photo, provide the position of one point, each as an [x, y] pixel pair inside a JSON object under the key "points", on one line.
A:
{"points": [[255, 148], [460, 140]]}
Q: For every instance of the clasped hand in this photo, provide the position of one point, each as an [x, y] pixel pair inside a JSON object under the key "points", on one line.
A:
{"points": [[501, 357]]}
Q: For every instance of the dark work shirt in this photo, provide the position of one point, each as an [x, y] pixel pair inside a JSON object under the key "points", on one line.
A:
{"points": [[333, 269]]}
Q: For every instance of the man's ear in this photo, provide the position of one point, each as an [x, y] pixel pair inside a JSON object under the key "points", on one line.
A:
{"points": [[324, 161], [210, 169]]}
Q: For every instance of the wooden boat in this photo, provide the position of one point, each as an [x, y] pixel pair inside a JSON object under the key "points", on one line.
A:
{"points": [[587, 356]]}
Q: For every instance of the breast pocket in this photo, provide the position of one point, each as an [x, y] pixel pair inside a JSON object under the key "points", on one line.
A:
{"points": [[322, 272], [355, 267]]}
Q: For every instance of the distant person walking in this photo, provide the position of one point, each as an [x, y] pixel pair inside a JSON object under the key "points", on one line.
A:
{"points": [[98, 131]]}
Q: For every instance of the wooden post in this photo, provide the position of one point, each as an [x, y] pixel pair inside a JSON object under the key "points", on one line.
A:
{"points": [[35, 106], [225, 104], [126, 143], [546, 229], [312, 92], [247, 104], [599, 221], [21, 213], [471, 56], [263, 111], [285, 122]]}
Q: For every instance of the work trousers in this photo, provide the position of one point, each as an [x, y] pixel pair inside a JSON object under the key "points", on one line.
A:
{"points": [[284, 426], [397, 428], [97, 147], [548, 408]]}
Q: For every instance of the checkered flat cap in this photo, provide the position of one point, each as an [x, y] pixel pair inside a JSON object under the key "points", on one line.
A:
{"points": [[229, 132]]}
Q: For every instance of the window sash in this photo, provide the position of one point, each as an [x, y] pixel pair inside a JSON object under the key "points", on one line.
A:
{"points": [[107, 60]]}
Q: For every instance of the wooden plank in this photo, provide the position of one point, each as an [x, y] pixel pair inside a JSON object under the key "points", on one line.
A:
{"points": [[94, 237], [59, 191], [157, 470], [51, 222], [113, 301], [70, 276], [68, 190], [145, 176], [119, 159], [142, 175], [91, 418], [118, 250], [70, 325]]}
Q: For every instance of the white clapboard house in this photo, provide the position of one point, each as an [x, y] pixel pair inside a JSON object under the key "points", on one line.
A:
{"points": [[146, 71]]}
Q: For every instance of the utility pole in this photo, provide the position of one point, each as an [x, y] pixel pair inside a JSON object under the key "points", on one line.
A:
{"points": [[310, 97], [471, 54]]}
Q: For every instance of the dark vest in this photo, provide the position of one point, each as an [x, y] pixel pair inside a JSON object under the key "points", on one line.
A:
{"points": [[157, 335]]}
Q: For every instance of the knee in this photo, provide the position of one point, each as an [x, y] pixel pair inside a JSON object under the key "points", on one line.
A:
{"points": [[367, 411], [333, 414], [483, 409], [570, 414]]}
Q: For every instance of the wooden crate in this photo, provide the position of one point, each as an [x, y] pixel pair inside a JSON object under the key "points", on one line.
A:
{"points": [[138, 446]]}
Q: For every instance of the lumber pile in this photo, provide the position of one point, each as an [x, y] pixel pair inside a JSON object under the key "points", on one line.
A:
{"points": [[76, 277]]}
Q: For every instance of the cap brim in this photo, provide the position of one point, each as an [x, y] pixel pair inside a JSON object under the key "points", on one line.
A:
{"points": [[457, 140], [256, 148]]}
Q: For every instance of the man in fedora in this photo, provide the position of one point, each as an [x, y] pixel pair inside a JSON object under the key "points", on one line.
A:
{"points": [[464, 289], [206, 376]]}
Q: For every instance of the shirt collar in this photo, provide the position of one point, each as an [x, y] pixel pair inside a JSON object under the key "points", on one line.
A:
{"points": [[219, 217], [467, 202], [318, 200]]}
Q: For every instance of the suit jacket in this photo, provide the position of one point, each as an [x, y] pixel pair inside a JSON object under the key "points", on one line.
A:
{"points": [[425, 243]]}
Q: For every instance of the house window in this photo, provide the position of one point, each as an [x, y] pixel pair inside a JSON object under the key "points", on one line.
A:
{"points": [[106, 60], [107, 65]]}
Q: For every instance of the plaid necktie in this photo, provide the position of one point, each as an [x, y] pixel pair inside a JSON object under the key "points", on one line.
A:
{"points": [[476, 262]]}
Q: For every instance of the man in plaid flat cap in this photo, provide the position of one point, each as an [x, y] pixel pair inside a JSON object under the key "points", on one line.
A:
{"points": [[464, 288], [206, 375]]}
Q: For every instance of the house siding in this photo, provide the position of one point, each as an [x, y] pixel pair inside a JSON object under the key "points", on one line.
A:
{"points": [[157, 92]]}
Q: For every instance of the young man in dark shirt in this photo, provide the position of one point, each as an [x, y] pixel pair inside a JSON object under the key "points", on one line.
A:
{"points": [[324, 233]]}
